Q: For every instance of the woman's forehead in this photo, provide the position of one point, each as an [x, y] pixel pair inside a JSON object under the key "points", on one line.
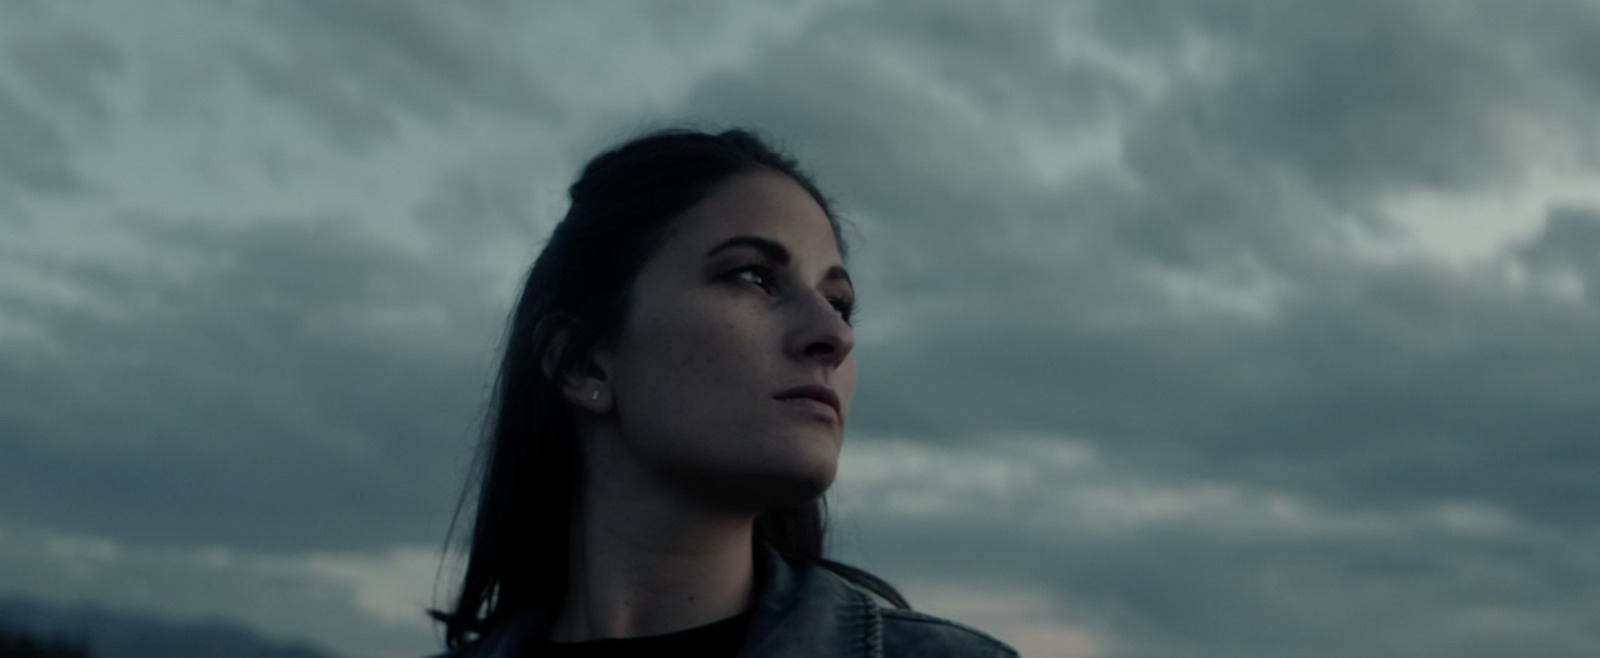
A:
{"points": [[767, 206]]}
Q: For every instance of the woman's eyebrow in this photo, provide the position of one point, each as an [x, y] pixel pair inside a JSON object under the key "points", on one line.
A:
{"points": [[776, 252]]}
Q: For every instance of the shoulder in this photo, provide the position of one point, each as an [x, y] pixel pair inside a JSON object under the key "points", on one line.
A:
{"points": [[912, 633], [477, 648], [474, 649]]}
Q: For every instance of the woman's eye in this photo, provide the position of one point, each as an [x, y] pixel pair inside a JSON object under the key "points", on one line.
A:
{"points": [[844, 305], [759, 271]]}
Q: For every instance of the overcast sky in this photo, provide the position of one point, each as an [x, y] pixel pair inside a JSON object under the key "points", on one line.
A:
{"points": [[1188, 329]]}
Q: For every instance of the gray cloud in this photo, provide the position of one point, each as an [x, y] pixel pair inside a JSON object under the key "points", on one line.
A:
{"points": [[33, 152], [283, 386], [355, 68], [285, 599], [64, 66], [1124, 222], [1364, 385], [1188, 565], [1189, 592], [1365, 381], [60, 68], [1568, 245]]}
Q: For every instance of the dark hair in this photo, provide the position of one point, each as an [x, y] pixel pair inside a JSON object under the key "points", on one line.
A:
{"points": [[623, 207]]}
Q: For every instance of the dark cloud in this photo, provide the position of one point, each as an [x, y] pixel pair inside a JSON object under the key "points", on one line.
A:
{"points": [[1362, 381], [65, 67], [356, 68], [282, 599], [1568, 245], [54, 97], [1362, 98], [941, 175], [494, 200], [1198, 567], [1409, 385], [1188, 592], [283, 386], [34, 154], [1031, 305], [1189, 303]]}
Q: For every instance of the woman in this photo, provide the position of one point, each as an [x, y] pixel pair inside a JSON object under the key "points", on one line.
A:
{"points": [[668, 414]]}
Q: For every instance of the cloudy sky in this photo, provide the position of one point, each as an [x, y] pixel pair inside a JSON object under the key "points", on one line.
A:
{"points": [[1188, 329]]}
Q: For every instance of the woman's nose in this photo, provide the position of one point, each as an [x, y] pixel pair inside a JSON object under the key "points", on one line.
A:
{"points": [[824, 334]]}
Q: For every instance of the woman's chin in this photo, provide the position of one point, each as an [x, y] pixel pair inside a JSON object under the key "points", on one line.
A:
{"points": [[797, 490], [756, 492]]}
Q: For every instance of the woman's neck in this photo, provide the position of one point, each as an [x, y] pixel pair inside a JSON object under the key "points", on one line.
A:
{"points": [[646, 562]]}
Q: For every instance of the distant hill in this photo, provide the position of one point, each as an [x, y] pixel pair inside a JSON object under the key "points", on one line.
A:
{"points": [[109, 634], [21, 644]]}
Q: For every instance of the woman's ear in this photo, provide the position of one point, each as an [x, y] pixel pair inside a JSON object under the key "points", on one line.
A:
{"points": [[586, 385]]}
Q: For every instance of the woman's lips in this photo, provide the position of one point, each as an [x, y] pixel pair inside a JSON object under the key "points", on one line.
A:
{"points": [[816, 392], [815, 407]]}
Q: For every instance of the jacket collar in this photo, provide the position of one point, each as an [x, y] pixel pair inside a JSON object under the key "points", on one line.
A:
{"points": [[809, 611], [801, 611]]}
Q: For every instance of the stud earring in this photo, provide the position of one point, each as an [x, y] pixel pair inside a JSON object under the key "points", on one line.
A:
{"points": [[595, 396]]}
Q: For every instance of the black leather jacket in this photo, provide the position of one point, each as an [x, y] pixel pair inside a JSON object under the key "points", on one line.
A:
{"points": [[802, 611]]}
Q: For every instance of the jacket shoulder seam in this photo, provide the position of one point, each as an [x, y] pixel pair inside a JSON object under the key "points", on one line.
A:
{"points": [[899, 614]]}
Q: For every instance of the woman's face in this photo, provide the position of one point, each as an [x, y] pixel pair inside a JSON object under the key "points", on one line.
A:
{"points": [[719, 326]]}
